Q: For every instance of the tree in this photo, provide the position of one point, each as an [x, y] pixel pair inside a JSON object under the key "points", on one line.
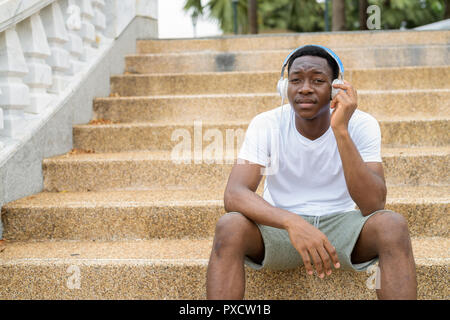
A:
{"points": [[222, 10], [338, 23], [307, 15], [253, 15], [363, 4], [195, 6], [412, 13], [447, 10]]}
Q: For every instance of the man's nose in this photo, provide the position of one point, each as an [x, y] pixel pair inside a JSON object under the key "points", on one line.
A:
{"points": [[305, 87]]}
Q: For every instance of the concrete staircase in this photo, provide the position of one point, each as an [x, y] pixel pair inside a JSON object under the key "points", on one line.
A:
{"points": [[118, 219]]}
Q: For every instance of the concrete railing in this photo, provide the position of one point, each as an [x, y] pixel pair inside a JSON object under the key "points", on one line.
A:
{"points": [[46, 46], [56, 56]]}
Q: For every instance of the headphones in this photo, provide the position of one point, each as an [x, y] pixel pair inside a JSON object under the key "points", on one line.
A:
{"points": [[282, 85]]}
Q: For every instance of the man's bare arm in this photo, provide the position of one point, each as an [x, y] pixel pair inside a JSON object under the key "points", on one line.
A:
{"points": [[365, 181], [240, 195]]}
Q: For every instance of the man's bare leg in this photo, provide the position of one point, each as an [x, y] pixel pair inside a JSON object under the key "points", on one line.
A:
{"points": [[235, 237], [386, 235]]}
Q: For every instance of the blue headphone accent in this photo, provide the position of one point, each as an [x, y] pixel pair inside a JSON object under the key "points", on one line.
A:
{"points": [[329, 51]]}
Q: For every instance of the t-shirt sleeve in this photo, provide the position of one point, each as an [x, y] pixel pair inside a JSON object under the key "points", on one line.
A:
{"points": [[255, 147], [367, 138]]}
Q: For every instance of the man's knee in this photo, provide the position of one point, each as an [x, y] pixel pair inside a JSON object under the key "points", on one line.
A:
{"points": [[231, 232], [391, 229]]}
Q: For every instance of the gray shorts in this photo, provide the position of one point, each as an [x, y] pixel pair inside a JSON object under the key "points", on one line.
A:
{"points": [[342, 230]]}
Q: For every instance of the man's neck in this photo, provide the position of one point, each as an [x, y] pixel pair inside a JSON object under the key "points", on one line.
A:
{"points": [[313, 128]]}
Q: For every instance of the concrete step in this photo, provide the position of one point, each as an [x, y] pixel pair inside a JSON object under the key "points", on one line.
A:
{"points": [[405, 104], [271, 60], [334, 40], [265, 81], [176, 269], [165, 135], [175, 214], [162, 169]]}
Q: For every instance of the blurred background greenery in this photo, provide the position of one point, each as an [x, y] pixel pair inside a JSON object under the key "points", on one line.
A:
{"points": [[263, 16]]}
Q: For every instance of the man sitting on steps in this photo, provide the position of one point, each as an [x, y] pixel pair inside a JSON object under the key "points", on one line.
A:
{"points": [[321, 156]]}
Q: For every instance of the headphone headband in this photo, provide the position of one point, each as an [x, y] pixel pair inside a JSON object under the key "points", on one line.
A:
{"points": [[329, 51]]}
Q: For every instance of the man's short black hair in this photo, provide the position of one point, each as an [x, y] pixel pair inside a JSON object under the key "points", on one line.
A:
{"points": [[318, 52]]}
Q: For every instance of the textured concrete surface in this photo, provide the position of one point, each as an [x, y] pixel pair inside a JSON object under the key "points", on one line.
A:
{"points": [[165, 213], [265, 81], [291, 41], [382, 104], [155, 169], [160, 136], [269, 60], [175, 269]]}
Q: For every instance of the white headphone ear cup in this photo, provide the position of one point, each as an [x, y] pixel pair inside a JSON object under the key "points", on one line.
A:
{"points": [[279, 85], [286, 83], [282, 87], [335, 91]]}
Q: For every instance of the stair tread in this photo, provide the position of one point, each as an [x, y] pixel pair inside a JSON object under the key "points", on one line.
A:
{"points": [[427, 251], [236, 94], [163, 155], [209, 73], [164, 123], [201, 197], [415, 151], [215, 51]]}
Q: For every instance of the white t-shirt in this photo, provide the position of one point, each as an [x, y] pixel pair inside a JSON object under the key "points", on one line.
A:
{"points": [[306, 176]]}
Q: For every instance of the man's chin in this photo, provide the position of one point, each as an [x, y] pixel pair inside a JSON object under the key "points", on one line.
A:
{"points": [[310, 113]]}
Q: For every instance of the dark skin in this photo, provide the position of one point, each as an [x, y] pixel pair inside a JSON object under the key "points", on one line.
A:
{"points": [[385, 234]]}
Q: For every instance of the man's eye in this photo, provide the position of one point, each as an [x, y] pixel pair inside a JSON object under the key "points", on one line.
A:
{"points": [[295, 80], [319, 81]]}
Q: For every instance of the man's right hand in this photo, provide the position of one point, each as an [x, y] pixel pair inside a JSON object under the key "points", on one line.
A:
{"points": [[313, 246]]}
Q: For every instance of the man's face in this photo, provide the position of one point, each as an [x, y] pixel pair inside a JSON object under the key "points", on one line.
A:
{"points": [[309, 88]]}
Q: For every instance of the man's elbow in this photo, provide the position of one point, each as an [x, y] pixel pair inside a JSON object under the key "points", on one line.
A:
{"points": [[234, 197], [229, 200], [378, 202]]}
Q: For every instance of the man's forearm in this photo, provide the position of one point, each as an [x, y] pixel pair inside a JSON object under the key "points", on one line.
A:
{"points": [[257, 209], [366, 188]]}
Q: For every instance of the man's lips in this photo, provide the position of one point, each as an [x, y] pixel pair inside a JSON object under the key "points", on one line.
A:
{"points": [[304, 101]]}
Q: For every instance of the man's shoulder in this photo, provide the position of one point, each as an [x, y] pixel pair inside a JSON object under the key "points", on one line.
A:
{"points": [[272, 113], [363, 127], [360, 117], [268, 117]]}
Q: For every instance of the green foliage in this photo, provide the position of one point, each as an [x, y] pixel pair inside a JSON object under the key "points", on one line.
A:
{"points": [[194, 6], [294, 15], [222, 10], [308, 15], [413, 12]]}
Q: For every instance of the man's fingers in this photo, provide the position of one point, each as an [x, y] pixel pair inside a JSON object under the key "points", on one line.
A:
{"points": [[342, 86], [325, 259], [306, 261], [347, 88], [339, 97], [317, 262], [333, 254]]}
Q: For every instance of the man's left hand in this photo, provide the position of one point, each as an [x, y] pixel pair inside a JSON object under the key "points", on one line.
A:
{"points": [[344, 103]]}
